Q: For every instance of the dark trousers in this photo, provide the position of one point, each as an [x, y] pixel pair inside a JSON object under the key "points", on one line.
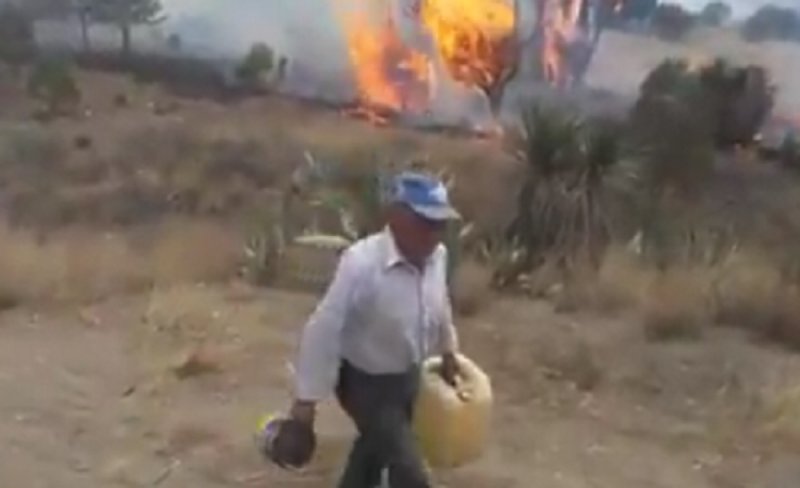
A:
{"points": [[381, 407]]}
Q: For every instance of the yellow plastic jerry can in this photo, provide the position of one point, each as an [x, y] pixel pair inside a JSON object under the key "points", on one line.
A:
{"points": [[452, 424]]}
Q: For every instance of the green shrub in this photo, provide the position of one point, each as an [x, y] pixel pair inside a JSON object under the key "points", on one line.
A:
{"points": [[673, 137], [740, 98], [260, 68], [53, 84], [729, 102]]}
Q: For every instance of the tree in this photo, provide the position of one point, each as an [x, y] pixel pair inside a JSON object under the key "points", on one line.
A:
{"points": [[639, 10], [672, 22], [716, 14], [17, 42], [83, 10], [771, 22], [126, 14]]}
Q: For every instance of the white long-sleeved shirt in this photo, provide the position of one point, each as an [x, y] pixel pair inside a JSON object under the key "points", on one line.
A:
{"points": [[380, 313]]}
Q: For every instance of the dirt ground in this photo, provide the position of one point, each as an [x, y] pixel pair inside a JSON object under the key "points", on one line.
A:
{"points": [[94, 397]]}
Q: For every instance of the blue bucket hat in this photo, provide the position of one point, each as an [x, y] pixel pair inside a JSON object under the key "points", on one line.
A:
{"points": [[425, 195]]}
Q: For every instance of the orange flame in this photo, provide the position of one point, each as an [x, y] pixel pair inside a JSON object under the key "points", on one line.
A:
{"points": [[558, 22], [468, 35], [388, 74], [471, 36]]}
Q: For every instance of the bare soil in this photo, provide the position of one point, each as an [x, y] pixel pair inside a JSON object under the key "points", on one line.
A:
{"points": [[92, 397]]}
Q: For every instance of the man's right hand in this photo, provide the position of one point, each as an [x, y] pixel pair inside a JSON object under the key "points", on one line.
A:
{"points": [[303, 411], [295, 443]]}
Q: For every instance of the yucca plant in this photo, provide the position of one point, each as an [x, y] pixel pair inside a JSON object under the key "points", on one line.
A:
{"points": [[559, 214]]}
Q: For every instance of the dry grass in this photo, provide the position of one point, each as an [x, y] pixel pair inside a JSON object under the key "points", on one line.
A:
{"points": [[71, 266], [79, 264], [677, 305], [781, 417], [190, 251], [745, 290], [752, 293], [470, 288], [620, 284]]}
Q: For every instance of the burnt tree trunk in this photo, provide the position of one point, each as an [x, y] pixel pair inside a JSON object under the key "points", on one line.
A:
{"points": [[83, 18], [125, 31]]}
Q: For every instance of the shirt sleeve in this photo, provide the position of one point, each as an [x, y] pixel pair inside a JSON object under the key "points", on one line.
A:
{"points": [[317, 363], [448, 336]]}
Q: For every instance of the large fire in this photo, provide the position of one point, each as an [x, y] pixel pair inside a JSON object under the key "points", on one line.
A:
{"points": [[471, 36], [468, 36], [388, 73], [557, 24], [474, 42]]}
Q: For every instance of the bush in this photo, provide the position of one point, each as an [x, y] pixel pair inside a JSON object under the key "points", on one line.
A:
{"points": [[673, 137], [260, 68], [17, 42], [772, 22], [52, 83], [740, 99], [727, 103], [672, 22]]}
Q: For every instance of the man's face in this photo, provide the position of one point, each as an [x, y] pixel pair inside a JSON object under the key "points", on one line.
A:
{"points": [[416, 237]]}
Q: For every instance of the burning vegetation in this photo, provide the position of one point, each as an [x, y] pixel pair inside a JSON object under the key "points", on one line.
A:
{"points": [[399, 55]]}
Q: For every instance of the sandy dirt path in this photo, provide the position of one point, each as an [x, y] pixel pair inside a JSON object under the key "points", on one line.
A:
{"points": [[90, 399]]}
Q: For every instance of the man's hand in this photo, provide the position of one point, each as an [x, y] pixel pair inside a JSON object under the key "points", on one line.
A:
{"points": [[450, 369], [295, 442], [303, 412]]}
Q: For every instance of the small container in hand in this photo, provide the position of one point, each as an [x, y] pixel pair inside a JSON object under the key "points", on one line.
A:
{"points": [[285, 442]]}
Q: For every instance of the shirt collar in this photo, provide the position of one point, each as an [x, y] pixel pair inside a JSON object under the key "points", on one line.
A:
{"points": [[393, 256]]}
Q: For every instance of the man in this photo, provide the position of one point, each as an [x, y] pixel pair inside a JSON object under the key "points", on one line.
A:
{"points": [[386, 311]]}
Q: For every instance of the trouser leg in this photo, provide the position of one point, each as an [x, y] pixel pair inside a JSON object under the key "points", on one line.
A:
{"points": [[381, 407], [363, 469]]}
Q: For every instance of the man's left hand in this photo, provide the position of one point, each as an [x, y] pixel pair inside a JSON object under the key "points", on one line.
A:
{"points": [[450, 369]]}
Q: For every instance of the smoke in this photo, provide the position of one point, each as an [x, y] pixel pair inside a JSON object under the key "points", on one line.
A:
{"points": [[305, 31]]}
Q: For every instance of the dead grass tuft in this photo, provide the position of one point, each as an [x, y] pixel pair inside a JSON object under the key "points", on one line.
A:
{"points": [[470, 288], [621, 283], [751, 292], [745, 291], [191, 251], [677, 305]]}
